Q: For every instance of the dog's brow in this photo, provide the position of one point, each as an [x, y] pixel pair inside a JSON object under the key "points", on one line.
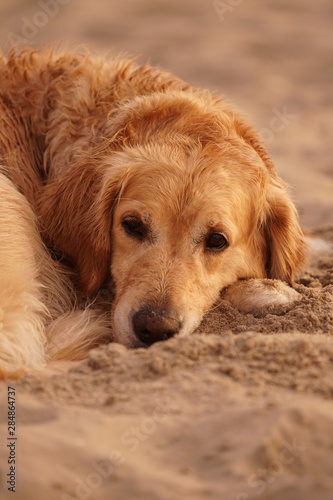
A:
{"points": [[210, 227]]}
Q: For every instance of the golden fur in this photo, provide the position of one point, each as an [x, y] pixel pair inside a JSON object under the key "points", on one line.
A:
{"points": [[113, 173]]}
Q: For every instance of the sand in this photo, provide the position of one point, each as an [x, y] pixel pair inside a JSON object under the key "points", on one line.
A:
{"points": [[243, 408]]}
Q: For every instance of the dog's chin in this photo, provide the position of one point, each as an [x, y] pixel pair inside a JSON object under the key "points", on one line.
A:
{"points": [[122, 325]]}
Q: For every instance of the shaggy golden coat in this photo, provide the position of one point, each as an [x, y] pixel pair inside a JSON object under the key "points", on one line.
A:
{"points": [[116, 174]]}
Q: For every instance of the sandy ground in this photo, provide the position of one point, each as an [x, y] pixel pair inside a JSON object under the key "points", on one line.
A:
{"points": [[242, 409]]}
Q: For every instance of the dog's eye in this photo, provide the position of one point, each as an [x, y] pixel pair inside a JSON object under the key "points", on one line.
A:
{"points": [[216, 242], [134, 227]]}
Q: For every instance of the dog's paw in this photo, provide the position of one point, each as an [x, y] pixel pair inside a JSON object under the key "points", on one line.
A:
{"points": [[259, 295]]}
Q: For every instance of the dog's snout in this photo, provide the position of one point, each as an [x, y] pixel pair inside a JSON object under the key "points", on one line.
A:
{"points": [[153, 325]]}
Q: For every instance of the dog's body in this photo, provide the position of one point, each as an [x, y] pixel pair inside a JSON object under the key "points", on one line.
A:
{"points": [[109, 171]]}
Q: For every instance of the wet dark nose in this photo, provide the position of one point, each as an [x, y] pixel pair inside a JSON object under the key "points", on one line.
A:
{"points": [[152, 325]]}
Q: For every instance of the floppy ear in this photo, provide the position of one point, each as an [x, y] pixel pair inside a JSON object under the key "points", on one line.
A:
{"points": [[283, 236], [76, 217]]}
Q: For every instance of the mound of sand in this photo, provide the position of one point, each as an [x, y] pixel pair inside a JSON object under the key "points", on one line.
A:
{"points": [[242, 409]]}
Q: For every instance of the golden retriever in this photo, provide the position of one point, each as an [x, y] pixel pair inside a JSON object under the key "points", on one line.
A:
{"points": [[128, 201]]}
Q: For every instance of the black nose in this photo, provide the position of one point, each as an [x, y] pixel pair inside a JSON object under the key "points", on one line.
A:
{"points": [[151, 325]]}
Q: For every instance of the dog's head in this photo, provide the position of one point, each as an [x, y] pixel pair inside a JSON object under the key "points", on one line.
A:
{"points": [[186, 203]]}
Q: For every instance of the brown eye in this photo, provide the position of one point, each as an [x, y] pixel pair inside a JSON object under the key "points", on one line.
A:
{"points": [[134, 227], [216, 242]]}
